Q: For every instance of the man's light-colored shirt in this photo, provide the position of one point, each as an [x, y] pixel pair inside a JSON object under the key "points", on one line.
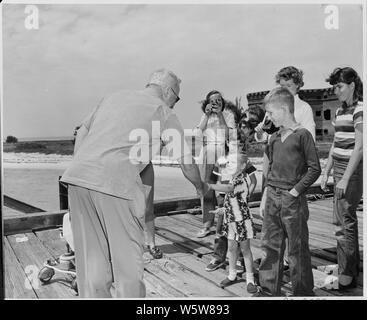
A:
{"points": [[124, 132]]}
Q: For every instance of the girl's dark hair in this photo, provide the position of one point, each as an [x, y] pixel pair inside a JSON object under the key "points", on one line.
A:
{"points": [[207, 99], [348, 75], [258, 112]]}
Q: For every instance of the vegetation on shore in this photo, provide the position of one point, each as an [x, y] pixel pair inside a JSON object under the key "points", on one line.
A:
{"points": [[60, 147]]}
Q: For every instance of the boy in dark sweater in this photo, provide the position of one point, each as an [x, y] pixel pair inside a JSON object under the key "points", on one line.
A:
{"points": [[293, 167]]}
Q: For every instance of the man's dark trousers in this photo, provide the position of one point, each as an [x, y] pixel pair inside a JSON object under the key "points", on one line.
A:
{"points": [[286, 216]]}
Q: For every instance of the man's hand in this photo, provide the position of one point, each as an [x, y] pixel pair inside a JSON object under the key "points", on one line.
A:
{"points": [[201, 192]]}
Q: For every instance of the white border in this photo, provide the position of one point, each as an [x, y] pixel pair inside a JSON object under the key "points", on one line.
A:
{"points": [[203, 2]]}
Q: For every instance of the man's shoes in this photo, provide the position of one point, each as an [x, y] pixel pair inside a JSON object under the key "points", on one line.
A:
{"points": [[214, 265], [155, 252], [227, 282], [252, 288], [203, 233]]}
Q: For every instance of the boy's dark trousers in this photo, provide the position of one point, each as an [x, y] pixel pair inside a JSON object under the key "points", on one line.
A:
{"points": [[286, 216]]}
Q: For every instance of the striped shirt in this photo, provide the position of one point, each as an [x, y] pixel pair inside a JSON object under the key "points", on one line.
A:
{"points": [[346, 120]]}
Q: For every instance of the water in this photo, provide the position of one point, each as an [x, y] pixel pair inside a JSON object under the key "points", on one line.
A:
{"points": [[39, 186], [37, 183]]}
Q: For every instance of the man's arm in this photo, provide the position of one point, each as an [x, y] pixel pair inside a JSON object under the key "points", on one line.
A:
{"points": [[313, 164], [191, 172]]}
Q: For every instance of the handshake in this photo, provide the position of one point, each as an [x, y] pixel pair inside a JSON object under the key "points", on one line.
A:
{"points": [[203, 190]]}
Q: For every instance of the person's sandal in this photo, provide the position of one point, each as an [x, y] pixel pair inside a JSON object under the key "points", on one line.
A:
{"points": [[155, 252], [214, 265]]}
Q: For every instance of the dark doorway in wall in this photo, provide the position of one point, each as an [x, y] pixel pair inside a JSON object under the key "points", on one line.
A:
{"points": [[327, 114]]}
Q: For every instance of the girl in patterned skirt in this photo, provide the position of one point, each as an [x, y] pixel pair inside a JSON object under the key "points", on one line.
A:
{"points": [[237, 223]]}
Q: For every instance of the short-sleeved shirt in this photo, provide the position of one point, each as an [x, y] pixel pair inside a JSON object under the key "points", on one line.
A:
{"points": [[124, 132], [346, 120], [214, 132]]}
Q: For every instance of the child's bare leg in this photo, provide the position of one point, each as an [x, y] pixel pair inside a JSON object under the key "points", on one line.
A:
{"points": [[249, 260], [232, 258]]}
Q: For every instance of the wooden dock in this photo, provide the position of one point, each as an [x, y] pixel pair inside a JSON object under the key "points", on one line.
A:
{"points": [[181, 271]]}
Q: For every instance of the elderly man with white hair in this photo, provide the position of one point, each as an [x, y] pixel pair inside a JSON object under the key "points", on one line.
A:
{"points": [[107, 198]]}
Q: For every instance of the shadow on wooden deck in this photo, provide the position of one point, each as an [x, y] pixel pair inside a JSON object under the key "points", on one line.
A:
{"points": [[181, 272]]}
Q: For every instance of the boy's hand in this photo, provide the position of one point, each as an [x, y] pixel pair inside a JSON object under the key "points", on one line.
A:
{"points": [[262, 203], [259, 128], [294, 193]]}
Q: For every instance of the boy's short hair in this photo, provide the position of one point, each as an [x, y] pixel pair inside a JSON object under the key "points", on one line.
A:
{"points": [[289, 73], [281, 96]]}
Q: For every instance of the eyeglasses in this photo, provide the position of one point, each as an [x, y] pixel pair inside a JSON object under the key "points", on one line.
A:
{"points": [[177, 97]]}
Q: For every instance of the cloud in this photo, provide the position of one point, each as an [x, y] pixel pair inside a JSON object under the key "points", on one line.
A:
{"points": [[55, 75]]}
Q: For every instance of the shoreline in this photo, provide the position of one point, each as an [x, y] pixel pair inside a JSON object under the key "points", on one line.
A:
{"points": [[19, 160]]}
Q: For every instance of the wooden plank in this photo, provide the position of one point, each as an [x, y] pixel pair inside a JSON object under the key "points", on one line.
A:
{"points": [[168, 227], [20, 205], [197, 265], [15, 277], [195, 221], [187, 282], [192, 227], [32, 221], [32, 254], [159, 289], [52, 241]]}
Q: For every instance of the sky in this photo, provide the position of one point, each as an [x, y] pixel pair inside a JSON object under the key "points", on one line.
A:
{"points": [[55, 75]]}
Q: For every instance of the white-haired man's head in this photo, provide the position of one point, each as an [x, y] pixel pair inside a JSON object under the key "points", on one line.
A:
{"points": [[169, 84]]}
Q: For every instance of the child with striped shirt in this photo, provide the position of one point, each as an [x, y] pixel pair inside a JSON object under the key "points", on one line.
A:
{"points": [[346, 158]]}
